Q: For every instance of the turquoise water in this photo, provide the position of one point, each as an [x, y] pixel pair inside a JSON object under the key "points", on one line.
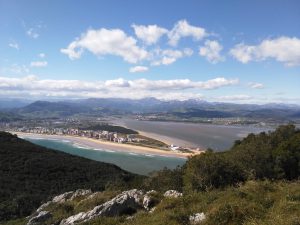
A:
{"points": [[136, 163]]}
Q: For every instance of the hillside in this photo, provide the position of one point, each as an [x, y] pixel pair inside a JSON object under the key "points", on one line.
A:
{"points": [[30, 174], [252, 203], [254, 182]]}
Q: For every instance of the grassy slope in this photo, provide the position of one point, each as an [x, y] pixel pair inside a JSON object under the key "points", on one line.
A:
{"points": [[253, 203], [30, 174]]}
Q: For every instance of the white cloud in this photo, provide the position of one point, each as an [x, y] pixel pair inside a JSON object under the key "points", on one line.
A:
{"points": [[169, 56], [32, 32], [140, 88], [188, 52], [243, 53], [211, 51], [106, 42], [282, 49], [149, 34], [16, 69], [120, 82], [183, 29], [234, 97], [42, 55], [255, 85], [14, 45], [39, 64], [138, 69], [181, 84]]}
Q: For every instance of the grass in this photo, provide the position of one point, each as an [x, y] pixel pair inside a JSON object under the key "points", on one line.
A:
{"points": [[252, 203]]}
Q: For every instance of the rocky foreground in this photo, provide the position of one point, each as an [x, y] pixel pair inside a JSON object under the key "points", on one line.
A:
{"points": [[126, 203]]}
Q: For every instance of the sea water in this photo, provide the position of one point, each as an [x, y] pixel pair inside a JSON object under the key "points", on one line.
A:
{"points": [[133, 162]]}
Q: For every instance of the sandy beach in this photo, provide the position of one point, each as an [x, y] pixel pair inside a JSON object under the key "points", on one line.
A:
{"points": [[100, 145]]}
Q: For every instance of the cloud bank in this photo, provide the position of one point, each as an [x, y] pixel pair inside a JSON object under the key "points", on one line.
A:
{"points": [[121, 88]]}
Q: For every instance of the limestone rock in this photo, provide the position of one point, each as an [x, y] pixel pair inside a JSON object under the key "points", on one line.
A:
{"points": [[63, 197], [127, 202], [197, 218], [43, 206], [40, 218], [79, 193], [71, 195], [148, 200], [172, 194]]}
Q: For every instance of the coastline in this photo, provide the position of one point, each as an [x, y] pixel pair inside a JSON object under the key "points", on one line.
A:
{"points": [[101, 145]]}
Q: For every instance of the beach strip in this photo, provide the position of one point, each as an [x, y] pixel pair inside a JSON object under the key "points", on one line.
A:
{"points": [[98, 145]]}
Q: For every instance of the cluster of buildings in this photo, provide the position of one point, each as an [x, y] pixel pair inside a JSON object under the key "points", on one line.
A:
{"points": [[99, 134]]}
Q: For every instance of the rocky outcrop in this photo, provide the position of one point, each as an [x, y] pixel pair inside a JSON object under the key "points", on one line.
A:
{"points": [[67, 196], [172, 194], [197, 218], [63, 197], [128, 202], [40, 218], [43, 206], [80, 193], [148, 200], [71, 195]]}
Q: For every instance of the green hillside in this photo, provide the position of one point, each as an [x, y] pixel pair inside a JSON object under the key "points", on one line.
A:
{"points": [[30, 174]]}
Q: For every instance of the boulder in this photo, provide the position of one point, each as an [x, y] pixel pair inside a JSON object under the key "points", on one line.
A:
{"points": [[148, 200], [172, 194], [128, 202], [197, 218], [40, 218]]}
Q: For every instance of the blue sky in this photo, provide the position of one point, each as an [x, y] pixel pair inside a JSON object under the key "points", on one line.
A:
{"points": [[236, 51]]}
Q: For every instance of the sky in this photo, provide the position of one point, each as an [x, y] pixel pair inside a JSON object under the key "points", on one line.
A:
{"points": [[222, 51]]}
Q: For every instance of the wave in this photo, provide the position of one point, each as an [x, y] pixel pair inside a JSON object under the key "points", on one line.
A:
{"points": [[131, 153], [109, 151]]}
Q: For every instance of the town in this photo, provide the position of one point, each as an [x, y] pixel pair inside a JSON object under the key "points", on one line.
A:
{"points": [[103, 135], [100, 134]]}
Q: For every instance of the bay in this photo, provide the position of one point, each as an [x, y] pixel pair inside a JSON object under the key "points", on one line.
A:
{"points": [[132, 162]]}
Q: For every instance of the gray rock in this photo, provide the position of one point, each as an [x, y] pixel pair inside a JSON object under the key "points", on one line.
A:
{"points": [[125, 203], [73, 219], [71, 195], [197, 218], [40, 218], [172, 194], [148, 200], [43, 206], [63, 197], [79, 193]]}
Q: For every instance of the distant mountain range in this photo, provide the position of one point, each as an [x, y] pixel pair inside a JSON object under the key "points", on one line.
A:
{"points": [[119, 106], [13, 103]]}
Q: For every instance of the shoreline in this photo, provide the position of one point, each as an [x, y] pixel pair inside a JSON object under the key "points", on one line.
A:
{"points": [[102, 145]]}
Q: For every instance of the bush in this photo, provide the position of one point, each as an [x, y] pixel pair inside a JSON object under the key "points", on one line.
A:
{"points": [[210, 170]]}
